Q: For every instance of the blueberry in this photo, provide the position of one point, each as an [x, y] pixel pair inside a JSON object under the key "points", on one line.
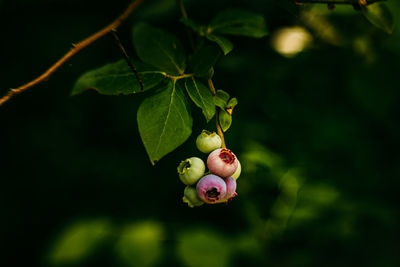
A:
{"points": [[211, 188], [222, 162], [230, 188], [191, 170], [208, 141], [238, 171], [190, 197]]}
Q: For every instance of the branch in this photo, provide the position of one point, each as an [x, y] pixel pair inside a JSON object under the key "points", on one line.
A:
{"points": [[127, 59], [349, 2], [76, 48], [219, 129]]}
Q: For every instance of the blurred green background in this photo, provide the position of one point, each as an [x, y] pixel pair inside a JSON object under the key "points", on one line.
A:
{"points": [[316, 130]]}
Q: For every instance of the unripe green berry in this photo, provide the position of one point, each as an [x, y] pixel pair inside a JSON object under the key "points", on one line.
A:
{"points": [[238, 171], [190, 197], [191, 170], [208, 141]]}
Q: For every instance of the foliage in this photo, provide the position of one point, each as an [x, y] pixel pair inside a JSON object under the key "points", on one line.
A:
{"points": [[164, 118], [164, 121], [380, 16], [316, 134]]}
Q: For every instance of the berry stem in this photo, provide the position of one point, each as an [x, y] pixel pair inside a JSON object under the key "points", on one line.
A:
{"points": [[74, 50], [219, 129]]}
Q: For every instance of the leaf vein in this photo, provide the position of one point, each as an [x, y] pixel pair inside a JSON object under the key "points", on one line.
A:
{"points": [[166, 119], [170, 57]]}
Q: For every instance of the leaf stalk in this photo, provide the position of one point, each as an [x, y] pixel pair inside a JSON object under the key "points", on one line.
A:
{"points": [[175, 78]]}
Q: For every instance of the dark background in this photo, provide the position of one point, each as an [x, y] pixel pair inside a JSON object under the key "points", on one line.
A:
{"points": [[317, 135]]}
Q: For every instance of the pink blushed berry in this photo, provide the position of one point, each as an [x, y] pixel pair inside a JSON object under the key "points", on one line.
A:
{"points": [[211, 188], [230, 189], [222, 162]]}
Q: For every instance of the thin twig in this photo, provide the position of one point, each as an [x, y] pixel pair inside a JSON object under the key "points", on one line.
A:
{"points": [[76, 48], [219, 129], [127, 59]]}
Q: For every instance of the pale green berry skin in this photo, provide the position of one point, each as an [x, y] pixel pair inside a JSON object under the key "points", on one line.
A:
{"points": [[208, 141], [190, 197], [238, 171], [191, 170]]}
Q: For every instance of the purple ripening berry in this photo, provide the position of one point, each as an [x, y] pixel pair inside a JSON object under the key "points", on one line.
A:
{"points": [[222, 162], [211, 188]]}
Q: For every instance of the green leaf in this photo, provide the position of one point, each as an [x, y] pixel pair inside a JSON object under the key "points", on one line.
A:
{"points": [[239, 22], [379, 15], [221, 99], [225, 120], [223, 95], [117, 78], [204, 58], [219, 102], [164, 121], [232, 103], [224, 43], [201, 96], [159, 48]]}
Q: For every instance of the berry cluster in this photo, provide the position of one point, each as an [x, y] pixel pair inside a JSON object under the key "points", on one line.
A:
{"points": [[219, 184]]}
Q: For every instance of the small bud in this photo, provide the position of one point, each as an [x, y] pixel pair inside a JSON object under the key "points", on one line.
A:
{"points": [[211, 189], [190, 197], [191, 170], [222, 162], [208, 141]]}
